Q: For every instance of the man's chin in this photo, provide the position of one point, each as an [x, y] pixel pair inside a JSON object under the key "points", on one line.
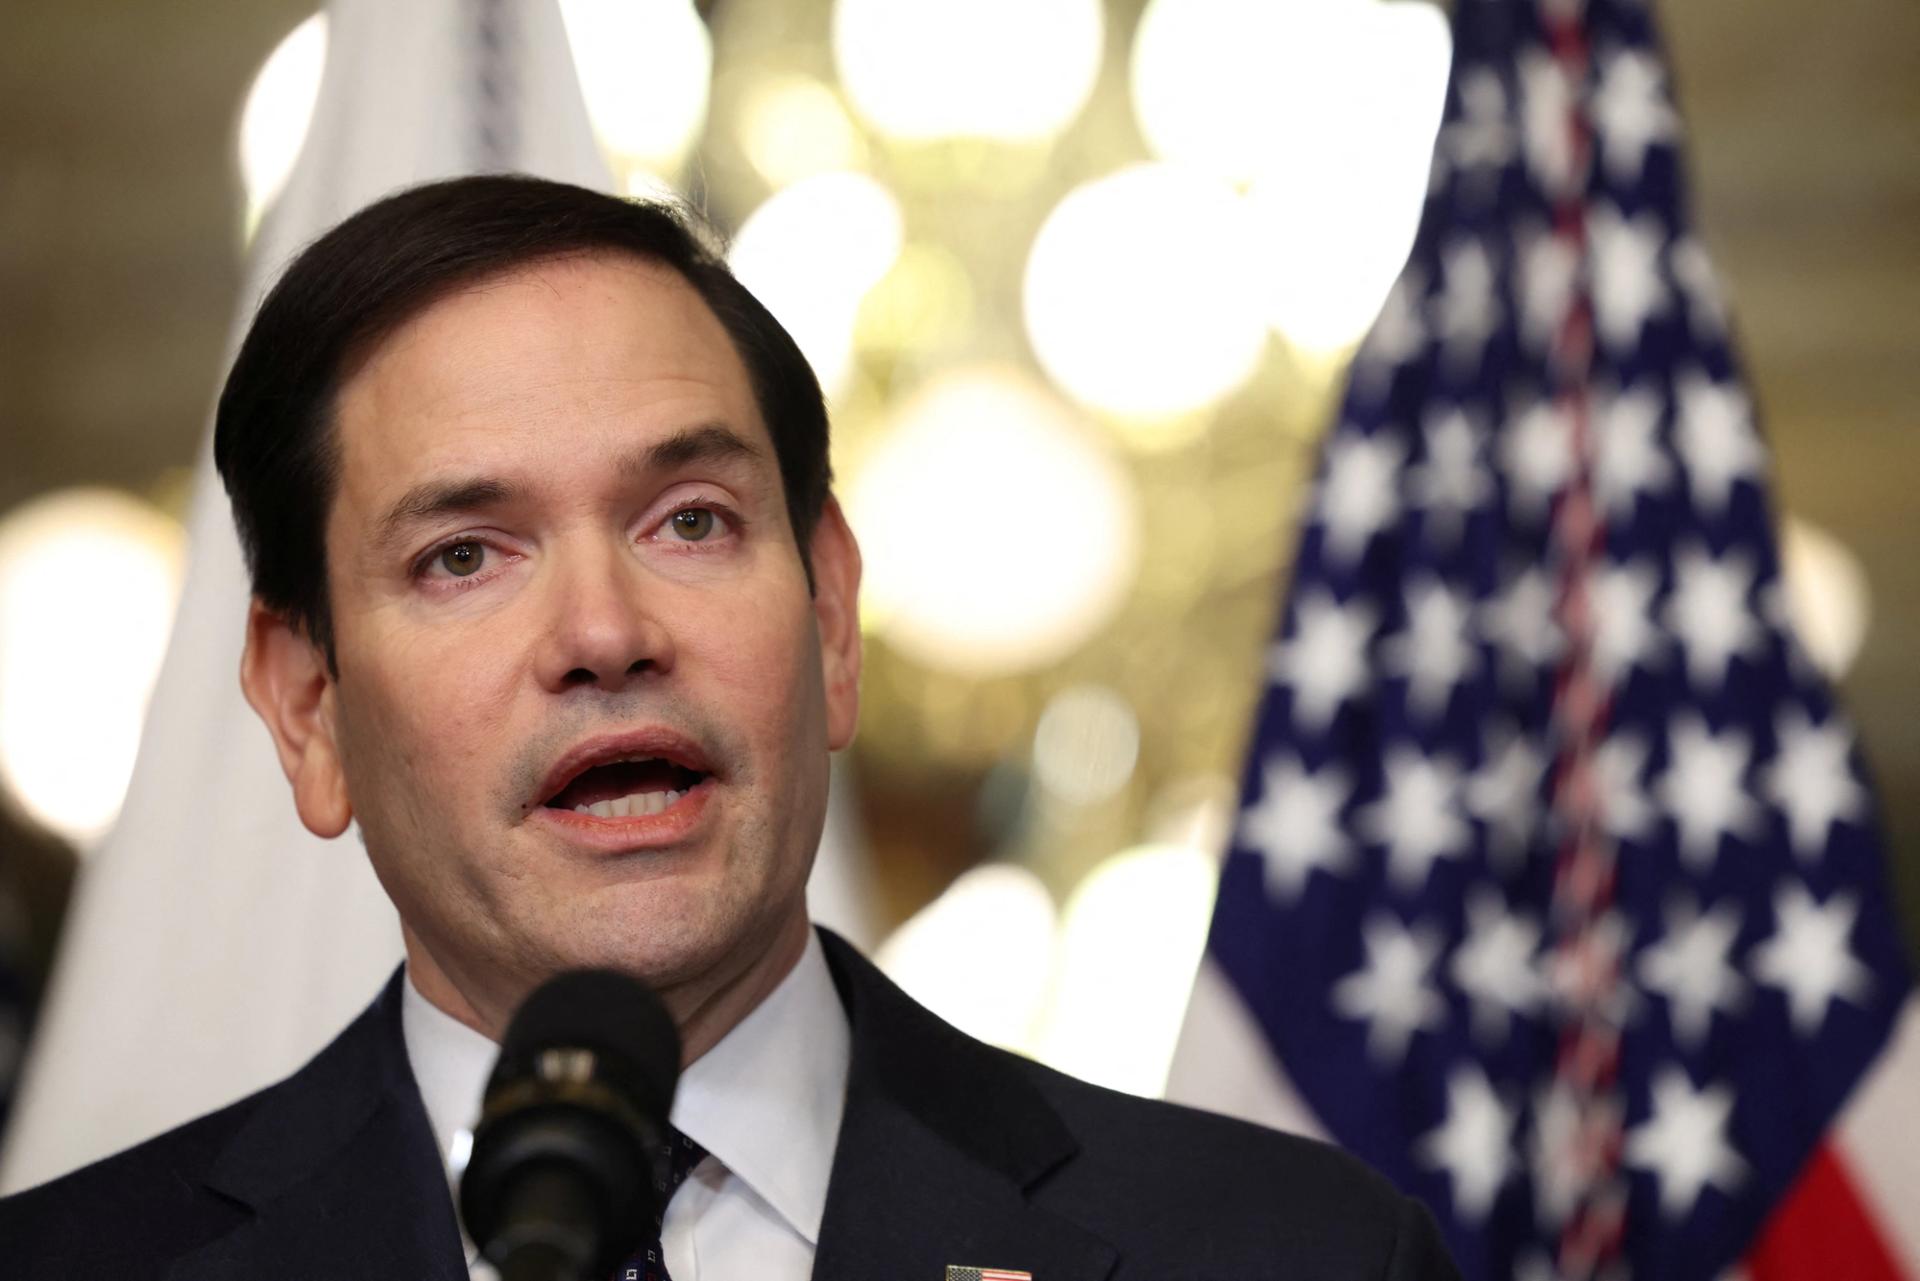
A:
{"points": [[663, 933]]}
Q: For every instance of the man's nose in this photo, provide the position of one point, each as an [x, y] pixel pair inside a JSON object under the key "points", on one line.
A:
{"points": [[605, 630]]}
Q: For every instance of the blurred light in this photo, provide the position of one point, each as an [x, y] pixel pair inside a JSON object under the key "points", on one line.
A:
{"points": [[980, 955], [88, 583], [1164, 433], [1011, 70], [1226, 85], [792, 127], [811, 252], [998, 534], [1130, 942], [1137, 299], [1328, 109], [925, 301], [278, 110], [1828, 599], [1086, 744], [644, 69]]}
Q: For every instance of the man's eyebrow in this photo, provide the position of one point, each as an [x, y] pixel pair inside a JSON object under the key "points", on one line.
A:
{"points": [[435, 498], [709, 442]]}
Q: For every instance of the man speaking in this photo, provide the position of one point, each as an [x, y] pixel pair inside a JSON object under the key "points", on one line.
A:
{"points": [[552, 598]]}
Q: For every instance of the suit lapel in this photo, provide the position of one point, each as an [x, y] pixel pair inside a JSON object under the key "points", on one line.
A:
{"points": [[341, 1171], [941, 1142]]}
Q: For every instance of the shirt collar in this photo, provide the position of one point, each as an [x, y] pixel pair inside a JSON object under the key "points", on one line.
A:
{"points": [[766, 1101]]}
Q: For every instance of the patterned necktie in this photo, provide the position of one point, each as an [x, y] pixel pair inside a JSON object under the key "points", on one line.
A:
{"points": [[650, 1264]]}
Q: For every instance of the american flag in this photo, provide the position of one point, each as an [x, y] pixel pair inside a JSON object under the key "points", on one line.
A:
{"points": [[1556, 887]]}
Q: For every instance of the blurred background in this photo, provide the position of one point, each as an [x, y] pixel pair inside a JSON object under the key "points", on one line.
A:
{"points": [[1072, 453]]}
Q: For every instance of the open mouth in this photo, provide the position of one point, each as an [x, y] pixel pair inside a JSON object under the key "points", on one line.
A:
{"points": [[628, 788]]}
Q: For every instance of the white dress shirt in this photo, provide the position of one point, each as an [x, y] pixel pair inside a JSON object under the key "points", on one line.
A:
{"points": [[765, 1103]]}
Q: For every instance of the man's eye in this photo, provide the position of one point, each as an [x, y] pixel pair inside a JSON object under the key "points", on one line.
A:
{"points": [[462, 559], [692, 524]]}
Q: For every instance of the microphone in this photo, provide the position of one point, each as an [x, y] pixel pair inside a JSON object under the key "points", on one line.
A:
{"points": [[572, 1138]]}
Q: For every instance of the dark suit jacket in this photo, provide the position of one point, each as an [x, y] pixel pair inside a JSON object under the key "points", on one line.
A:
{"points": [[950, 1153]]}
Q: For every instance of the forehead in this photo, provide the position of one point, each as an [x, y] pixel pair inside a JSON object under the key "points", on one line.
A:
{"points": [[549, 360]]}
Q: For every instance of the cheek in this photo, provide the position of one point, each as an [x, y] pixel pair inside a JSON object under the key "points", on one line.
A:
{"points": [[773, 694], [766, 657], [425, 728]]}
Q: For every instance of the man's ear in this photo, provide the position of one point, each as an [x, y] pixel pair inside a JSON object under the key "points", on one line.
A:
{"points": [[285, 676], [836, 609]]}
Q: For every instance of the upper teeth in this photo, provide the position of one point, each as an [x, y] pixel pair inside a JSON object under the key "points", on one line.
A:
{"points": [[635, 805]]}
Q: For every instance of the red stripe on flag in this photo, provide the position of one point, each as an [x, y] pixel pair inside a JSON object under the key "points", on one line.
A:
{"points": [[1823, 1229]]}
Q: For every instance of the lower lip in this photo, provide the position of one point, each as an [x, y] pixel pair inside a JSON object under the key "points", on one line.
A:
{"points": [[633, 832]]}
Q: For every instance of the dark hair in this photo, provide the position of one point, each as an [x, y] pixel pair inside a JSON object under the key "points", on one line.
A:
{"points": [[273, 440]]}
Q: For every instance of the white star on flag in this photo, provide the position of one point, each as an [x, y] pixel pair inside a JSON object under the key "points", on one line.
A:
{"points": [[1704, 789], [1625, 812], [1483, 140], [1295, 826], [1628, 460], [1451, 481], [1684, 1143], [1563, 1155], [1324, 662], [1435, 652], [1472, 1144], [1417, 816], [1691, 967], [1716, 439], [1812, 779], [1631, 109], [1708, 612], [1807, 957], [1772, 604], [1624, 636], [1546, 104], [1390, 991], [1519, 623], [1360, 494], [1466, 310], [1536, 453], [1627, 285], [1495, 965], [1504, 794], [1699, 285], [1549, 269]]}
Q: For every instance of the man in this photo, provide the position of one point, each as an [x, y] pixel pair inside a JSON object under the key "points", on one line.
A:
{"points": [[552, 599]]}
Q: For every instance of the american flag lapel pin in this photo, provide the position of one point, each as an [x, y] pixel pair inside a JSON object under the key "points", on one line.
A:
{"points": [[957, 1273]]}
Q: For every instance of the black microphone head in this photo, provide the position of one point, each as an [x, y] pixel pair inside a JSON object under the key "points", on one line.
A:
{"points": [[572, 1137], [615, 1017]]}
